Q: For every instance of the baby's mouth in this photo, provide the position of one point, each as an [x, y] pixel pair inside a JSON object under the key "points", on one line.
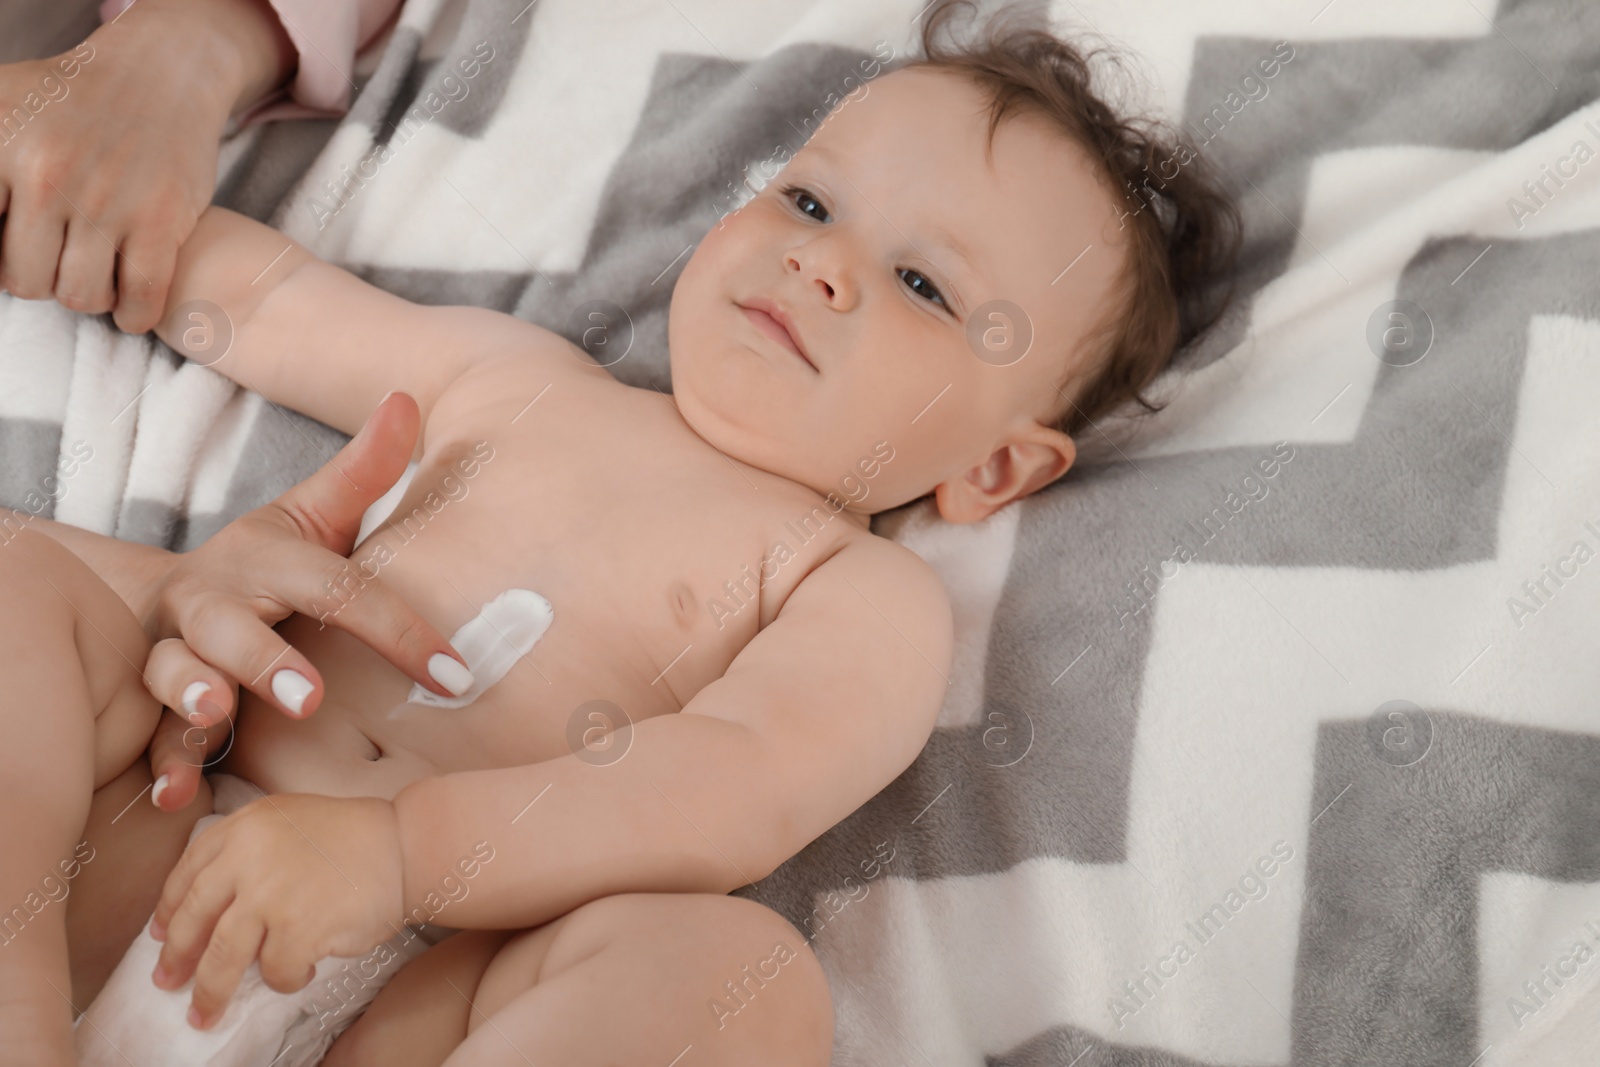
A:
{"points": [[763, 319]]}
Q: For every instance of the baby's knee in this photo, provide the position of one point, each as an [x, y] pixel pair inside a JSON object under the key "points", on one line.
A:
{"points": [[35, 564], [772, 984], [744, 970], [44, 597], [28, 557], [421, 1015], [38, 571], [63, 617]]}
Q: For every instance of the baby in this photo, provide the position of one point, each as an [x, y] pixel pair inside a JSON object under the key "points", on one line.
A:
{"points": [[962, 269]]}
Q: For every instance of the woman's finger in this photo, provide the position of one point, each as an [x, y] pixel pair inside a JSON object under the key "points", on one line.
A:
{"points": [[350, 595], [145, 266], [328, 506], [83, 278], [201, 703], [178, 755], [233, 639], [187, 684], [36, 226]]}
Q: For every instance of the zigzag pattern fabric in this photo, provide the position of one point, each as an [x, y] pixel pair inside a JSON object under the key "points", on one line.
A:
{"points": [[1273, 734]]}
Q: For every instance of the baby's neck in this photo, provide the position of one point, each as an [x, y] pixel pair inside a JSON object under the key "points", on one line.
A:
{"points": [[860, 519]]}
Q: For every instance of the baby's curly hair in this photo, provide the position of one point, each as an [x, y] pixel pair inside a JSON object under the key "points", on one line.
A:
{"points": [[1186, 229]]}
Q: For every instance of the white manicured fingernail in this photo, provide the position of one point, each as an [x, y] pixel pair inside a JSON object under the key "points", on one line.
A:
{"points": [[191, 699], [449, 673], [157, 789], [291, 688]]}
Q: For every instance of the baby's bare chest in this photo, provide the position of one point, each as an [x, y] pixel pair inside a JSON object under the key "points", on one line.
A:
{"points": [[591, 579]]}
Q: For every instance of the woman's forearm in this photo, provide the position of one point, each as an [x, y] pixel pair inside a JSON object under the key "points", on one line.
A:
{"points": [[131, 569]]}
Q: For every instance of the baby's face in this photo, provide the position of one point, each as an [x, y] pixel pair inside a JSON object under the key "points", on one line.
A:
{"points": [[878, 243]]}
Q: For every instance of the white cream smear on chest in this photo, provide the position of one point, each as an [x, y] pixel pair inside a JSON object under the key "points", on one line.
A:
{"points": [[491, 642]]}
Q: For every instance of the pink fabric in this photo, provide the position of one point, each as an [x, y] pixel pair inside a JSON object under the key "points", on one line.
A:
{"points": [[327, 34]]}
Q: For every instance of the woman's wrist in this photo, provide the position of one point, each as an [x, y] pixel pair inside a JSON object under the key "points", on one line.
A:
{"points": [[236, 51], [147, 570]]}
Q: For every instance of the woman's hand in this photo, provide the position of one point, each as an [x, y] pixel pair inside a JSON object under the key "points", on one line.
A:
{"points": [[212, 614], [116, 154]]}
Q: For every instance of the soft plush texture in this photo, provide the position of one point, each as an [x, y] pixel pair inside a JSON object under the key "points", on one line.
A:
{"points": [[1123, 751]]}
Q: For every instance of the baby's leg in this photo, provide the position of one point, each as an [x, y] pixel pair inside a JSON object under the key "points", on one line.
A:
{"points": [[631, 978], [74, 714], [416, 1019], [135, 845]]}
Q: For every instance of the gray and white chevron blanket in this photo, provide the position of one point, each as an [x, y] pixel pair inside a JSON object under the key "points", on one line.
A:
{"points": [[1274, 732]]}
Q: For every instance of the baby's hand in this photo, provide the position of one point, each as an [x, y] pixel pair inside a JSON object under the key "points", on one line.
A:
{"points": [[291, 878], [212, 614]]}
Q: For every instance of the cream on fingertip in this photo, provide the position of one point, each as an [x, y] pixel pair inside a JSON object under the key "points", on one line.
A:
{"points": [[159, 788]]}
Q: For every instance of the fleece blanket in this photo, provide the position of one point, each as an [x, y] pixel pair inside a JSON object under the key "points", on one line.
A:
{"points": [[1271, 735]]}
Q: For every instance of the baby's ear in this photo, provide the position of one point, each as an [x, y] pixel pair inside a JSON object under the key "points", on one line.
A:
{"points": [[1028, 460]]}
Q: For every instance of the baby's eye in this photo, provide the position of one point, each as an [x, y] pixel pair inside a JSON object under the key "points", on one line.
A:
{"points": [[918, 283], [803, 200]]}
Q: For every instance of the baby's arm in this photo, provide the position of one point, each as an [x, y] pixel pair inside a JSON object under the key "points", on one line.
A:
{"points": [[818, 713], [269, 314]]}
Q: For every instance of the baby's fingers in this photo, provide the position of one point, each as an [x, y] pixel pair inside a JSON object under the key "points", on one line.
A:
{"points": [[189, 903], [234, 945], [197, 933], [286, 964]]}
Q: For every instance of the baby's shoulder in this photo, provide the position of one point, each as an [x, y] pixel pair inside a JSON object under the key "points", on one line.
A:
{"points": [[517, 375], [863, 560]]}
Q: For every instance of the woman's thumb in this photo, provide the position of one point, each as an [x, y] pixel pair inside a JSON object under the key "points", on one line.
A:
{"points": [[329, 505]]}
